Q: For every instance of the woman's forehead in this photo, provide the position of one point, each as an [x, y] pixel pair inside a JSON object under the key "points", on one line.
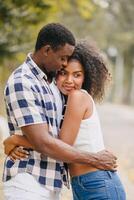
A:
{"points": [[74, 65]]}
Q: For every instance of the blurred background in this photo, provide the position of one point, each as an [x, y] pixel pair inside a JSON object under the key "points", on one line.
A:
{"points": [[110, 25]]}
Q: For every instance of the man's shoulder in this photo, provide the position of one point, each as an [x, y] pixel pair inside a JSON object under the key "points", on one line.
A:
{"points": [[20, 77], [21, 74]]}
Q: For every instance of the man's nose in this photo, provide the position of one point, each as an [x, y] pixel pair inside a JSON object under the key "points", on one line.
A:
{"points": [[64, 63]]}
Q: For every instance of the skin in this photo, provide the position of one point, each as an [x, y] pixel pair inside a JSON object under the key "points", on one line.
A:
{"points": [[69, 82], [43, 142], [51, 60], [70, 77]]}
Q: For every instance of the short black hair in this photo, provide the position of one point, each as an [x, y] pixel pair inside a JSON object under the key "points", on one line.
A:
{"points": [[96, 73], [54, 34]]}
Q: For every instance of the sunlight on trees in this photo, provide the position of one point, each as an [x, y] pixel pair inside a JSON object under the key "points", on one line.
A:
{"points": [[109, 23]]}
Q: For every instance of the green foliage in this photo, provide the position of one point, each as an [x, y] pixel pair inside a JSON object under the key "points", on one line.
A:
{"points": [[86, 8], [109, 23], [18, 21]]}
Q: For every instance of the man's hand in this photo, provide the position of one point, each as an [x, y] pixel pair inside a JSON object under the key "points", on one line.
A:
{"points": [[105, 160]]}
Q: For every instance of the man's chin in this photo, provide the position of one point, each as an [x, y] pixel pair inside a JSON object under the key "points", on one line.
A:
{"points": [[51, 75]]}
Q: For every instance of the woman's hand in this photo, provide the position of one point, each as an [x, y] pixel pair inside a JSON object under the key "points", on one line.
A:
{"points": [[9, 145], [15, 140], [18, 153]]}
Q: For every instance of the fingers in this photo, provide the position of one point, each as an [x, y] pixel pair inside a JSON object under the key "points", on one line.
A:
{"points": [[111, 167], [106, 161], [18, 153], [106, 156], [110, 153], [21, 153], [13, 156]]}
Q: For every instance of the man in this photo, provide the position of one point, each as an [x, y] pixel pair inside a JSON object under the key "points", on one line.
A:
{"points": [[32, 111]]}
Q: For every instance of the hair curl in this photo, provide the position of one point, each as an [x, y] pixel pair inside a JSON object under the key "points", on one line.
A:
{"points": [[96, 73]]}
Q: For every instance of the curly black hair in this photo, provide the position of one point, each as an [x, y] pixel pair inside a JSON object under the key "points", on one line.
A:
{"points": [[96, 73], [54, 34]]}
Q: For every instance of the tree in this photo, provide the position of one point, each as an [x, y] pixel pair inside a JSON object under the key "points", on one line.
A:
{"points": [[123, 38], [18, 19]]}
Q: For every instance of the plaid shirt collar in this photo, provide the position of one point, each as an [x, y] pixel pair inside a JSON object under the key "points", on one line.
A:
{"points": [[35, 69]]}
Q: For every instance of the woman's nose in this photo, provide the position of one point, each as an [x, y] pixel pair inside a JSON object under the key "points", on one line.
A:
{"points": [[69, 79]]}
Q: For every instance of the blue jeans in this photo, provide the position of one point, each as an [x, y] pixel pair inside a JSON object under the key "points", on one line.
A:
{"points": [[98, 185]]}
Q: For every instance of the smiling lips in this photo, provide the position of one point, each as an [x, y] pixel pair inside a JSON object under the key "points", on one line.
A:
{"points": [[68, 88]]}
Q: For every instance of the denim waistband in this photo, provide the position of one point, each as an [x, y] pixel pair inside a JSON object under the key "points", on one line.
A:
{"points": [[96, 174]]}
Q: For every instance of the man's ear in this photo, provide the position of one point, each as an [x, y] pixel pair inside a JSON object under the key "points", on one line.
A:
{"points": [[46, 49]]}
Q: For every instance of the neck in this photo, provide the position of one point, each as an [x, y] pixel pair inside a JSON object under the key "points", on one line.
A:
{"points": [[37, 59]]}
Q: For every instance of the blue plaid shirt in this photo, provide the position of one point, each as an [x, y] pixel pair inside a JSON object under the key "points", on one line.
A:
{"points": [[29, 100]]}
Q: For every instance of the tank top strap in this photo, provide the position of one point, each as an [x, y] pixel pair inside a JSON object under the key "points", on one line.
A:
{"points": [[93, 103], [84, 91], [88, 94]]}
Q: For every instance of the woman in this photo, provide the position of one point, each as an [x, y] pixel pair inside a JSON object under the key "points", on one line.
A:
{"points": [[83, 80]]}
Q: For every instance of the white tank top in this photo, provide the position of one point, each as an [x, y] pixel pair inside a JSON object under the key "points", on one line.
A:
{"points": [[89, 137]]}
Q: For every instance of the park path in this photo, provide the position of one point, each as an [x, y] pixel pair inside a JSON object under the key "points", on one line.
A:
{"points": [[118, 127]]}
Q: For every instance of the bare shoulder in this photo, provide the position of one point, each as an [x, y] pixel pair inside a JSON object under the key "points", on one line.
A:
{"points": [[77, 94], [79, 97]]}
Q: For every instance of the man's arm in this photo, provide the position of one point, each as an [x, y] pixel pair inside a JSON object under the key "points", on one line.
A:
{"points": [[27, 111], [43, 142]]}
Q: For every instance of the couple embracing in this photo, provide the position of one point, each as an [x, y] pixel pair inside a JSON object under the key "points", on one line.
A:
{"points": [[46, 143]]}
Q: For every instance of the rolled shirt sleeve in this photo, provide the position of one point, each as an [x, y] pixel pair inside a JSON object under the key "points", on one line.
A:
{"points": [[23, 103]]}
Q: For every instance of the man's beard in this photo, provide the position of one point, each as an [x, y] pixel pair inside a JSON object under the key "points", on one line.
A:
{"points": [[51, 75]]}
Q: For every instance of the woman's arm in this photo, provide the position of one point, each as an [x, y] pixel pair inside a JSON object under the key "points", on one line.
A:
{"points": [[15, 140], [77, 105]]}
